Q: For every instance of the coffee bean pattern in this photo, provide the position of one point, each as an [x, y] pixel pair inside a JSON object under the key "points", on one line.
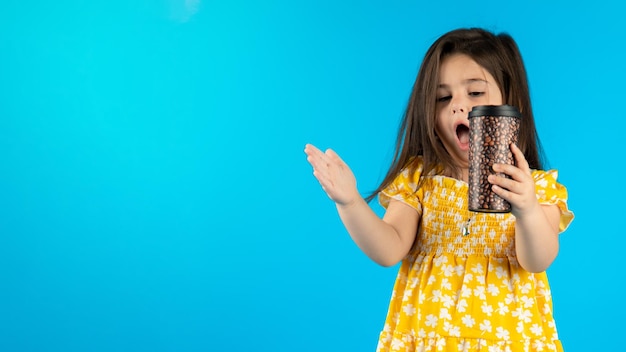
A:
{"points": [[490, 140]]}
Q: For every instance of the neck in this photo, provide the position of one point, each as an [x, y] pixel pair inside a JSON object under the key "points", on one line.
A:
{"points": [[460, 174]]}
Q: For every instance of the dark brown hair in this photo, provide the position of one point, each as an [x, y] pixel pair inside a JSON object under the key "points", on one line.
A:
{"points": [[496, 53]]}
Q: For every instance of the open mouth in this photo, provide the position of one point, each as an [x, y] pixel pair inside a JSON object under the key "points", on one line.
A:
{"points": [[462, 134]]}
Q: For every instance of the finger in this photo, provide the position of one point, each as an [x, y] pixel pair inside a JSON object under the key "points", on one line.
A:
{"points": [[319, 166], [316, 157], [312, 150], [334, 157], [512, 171], [332, 154], [502, 182], [502, 192], [520, 159], [322, 178]]}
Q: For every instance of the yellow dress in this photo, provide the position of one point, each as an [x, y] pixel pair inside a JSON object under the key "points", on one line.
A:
{"points": [[467, 293]]}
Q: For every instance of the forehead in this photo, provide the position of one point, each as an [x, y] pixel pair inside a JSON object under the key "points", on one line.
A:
{"points": [[458, 68]]}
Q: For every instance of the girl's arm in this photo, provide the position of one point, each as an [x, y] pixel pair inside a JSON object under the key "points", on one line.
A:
{"points": [[536, 225], [537, 237], [386, 241]]}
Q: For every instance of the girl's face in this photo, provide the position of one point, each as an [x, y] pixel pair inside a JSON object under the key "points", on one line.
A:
{"points": [[462, 84]]}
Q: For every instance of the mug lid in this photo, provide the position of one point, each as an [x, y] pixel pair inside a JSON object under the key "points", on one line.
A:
{"points": [[495, 110]]}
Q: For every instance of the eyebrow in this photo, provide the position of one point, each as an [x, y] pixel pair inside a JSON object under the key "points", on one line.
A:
{"points": [[465, 81]]}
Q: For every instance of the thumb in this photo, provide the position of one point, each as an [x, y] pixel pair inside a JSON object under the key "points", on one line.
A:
{"points": [[332, 155]]}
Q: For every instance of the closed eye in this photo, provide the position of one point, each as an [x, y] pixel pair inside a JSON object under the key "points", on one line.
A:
{"points": [[444, 99], [476, 94]]}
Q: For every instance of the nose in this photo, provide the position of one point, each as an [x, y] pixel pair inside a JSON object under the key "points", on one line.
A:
{"points": [[459, 106]]}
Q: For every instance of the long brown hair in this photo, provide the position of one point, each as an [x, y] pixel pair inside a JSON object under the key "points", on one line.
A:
{"points": [[496, 53]]}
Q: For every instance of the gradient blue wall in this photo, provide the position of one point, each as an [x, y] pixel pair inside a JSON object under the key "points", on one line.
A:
{"points": [[154, 195]]}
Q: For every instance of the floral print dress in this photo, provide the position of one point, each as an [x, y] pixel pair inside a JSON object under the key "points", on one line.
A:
{"points": [[457, 292]]}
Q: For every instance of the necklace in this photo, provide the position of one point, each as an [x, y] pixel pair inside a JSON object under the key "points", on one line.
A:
{"points": [[465, 229]]}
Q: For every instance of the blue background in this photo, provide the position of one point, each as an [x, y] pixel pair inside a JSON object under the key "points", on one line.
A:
{"points": [[154, 194]]}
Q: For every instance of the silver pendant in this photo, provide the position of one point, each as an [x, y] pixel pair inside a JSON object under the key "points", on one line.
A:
{"points": [[465, 229]]}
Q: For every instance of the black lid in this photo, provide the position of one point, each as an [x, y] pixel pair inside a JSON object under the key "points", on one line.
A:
{"points": [[495, 110]]}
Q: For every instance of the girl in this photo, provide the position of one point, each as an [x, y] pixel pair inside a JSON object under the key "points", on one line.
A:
{"points": [[486, 291]]}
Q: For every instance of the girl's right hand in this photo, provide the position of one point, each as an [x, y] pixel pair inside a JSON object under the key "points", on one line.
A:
{"points": [[333, 174]]}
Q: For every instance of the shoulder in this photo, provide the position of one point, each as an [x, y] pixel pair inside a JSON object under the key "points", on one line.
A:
{"points": [[414, 167], [405, 184], [547, 179]]}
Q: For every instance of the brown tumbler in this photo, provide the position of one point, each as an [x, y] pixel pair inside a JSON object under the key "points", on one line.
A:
{"points": [[493, 128]]}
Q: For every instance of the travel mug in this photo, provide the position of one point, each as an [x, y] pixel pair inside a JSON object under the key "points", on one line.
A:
{"points": [[493, 128]]}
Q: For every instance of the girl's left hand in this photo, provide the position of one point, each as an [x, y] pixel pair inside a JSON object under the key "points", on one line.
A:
{"points": [[519, 190]]}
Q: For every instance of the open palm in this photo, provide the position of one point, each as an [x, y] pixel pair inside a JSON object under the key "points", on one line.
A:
{"points": [[333, 174]]}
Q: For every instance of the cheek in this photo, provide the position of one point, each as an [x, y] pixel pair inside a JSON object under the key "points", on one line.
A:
{"points": [[441, 132], [495, 98], [438, 126], [496, 101]]}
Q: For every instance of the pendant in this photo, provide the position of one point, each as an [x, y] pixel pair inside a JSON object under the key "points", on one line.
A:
{"points": [[465, 229]]}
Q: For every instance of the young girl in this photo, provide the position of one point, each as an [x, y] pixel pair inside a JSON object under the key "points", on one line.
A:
{"points": [[482, 291]]}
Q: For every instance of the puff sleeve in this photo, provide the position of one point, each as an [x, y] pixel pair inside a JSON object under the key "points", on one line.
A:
{"points": [[404, 188], [550, 192]]}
